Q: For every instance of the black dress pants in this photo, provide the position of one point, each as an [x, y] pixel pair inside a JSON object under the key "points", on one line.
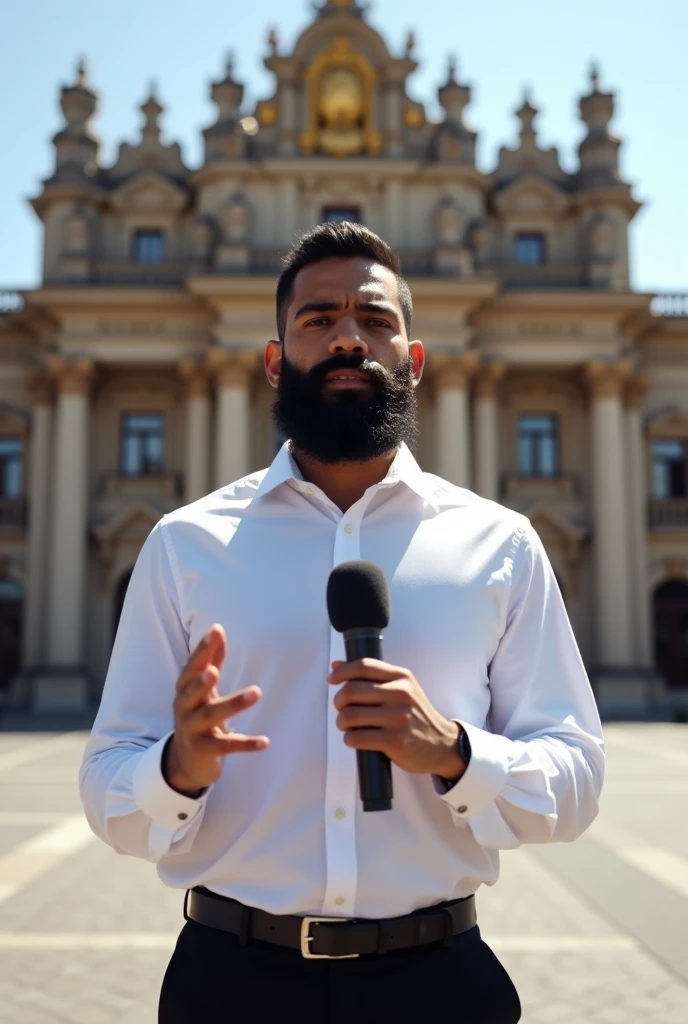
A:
{"points": [[211, 979]]}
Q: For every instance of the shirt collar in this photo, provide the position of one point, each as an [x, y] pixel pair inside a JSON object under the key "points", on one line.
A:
{"points": [[403, 470]]}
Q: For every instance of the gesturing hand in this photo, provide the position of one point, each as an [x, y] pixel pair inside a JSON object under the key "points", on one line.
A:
{"points": [[383, 707], [193, 757]]}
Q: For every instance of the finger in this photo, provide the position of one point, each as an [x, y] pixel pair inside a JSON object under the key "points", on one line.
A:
{"points": [[213, 713], [202, 656], [199, 690], [366, 668], [372, 717], [233, 743], [381, 740], [360, 691]]}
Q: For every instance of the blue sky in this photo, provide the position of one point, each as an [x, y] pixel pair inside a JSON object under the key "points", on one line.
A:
{"points": [[501, 46]]}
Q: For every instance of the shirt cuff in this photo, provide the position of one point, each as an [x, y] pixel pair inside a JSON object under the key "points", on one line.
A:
{"points": [[485, 776], [163, 805]]}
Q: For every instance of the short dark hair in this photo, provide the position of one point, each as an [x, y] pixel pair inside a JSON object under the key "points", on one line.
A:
{"points": [[338, 240]]}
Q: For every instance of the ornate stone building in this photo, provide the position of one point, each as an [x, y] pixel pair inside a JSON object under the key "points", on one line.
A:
{"points": [[131, 379]]}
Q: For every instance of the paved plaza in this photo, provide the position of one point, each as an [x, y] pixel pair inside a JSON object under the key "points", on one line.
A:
{"points": [[592, 933]]}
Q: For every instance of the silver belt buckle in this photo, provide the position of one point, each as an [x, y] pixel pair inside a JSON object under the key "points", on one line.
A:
{"points": [[306, 938]]}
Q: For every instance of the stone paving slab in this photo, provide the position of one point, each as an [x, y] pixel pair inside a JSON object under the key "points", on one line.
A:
{"points": [[571, 964]]}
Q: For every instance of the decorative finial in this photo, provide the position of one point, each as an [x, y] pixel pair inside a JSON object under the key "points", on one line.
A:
{"points": [[82, 73], [410, 44], [229, 63], [152, 91], [526, 112], [594, 75], [273, 41], [451, 74]]}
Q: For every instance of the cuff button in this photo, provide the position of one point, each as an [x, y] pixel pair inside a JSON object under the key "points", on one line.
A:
{"points": [[462, 809], [183, 816]]}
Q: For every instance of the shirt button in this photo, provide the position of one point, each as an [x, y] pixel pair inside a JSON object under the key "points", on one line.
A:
{"points": [[183, 816], [462, 809], [340, 900], [348, 528], [340, 813]]}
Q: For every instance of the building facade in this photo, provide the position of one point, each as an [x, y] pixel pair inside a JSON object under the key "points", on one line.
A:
{"points": [[131, 379]]}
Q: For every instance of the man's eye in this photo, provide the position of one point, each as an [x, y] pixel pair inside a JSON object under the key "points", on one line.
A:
{"points": [[378, 323], [318, 322]]}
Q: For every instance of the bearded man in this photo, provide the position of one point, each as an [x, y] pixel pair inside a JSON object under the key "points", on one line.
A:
{"points": [[299, 905]]}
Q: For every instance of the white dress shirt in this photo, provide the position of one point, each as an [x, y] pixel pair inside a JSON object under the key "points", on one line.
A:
{"points": [[477, 616]]}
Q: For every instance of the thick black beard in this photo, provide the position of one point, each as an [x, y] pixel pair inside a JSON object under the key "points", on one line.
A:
{"points": [[346, 426]]}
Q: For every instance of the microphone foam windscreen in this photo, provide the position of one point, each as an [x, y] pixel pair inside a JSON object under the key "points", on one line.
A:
{"points": [[358, 596]]}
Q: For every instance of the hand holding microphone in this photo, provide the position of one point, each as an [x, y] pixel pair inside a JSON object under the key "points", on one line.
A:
{"points": [[383, 710]]}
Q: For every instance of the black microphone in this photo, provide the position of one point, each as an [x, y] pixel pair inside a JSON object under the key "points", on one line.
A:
{"points": [[358, 605]]}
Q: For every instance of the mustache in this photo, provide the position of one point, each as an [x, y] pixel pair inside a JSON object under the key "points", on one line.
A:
{"points": [[377, 374]]}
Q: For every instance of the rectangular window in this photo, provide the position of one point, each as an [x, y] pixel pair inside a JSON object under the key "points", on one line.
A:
{"points": [[529, 248], [149, 246], [11, 452], [340, 213], [143, 443], [669, 469], [538, 445]]}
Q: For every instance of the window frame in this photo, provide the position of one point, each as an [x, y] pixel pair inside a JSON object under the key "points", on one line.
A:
{"points": [[536, 473], [123, 438], [138, 234], [653, 464], [20, 461], [521, 236], [333, 208]]}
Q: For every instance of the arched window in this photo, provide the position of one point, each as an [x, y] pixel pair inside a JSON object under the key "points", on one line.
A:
{"points": [[120, 594], [11, 608], [671, 632]]}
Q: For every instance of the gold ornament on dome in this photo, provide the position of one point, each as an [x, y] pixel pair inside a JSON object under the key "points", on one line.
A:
{"points": [[266, 113], [340, 83], [413, 116]]}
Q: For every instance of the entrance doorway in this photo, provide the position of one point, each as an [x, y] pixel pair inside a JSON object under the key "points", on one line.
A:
{"points": [[671, 632], [11, 609]]}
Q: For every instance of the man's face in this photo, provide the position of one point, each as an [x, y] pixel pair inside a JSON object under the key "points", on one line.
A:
{"points": [[345, 373]]}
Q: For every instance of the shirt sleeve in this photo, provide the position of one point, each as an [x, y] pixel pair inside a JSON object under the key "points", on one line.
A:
{"points": [[536, 771], [126, 800]]}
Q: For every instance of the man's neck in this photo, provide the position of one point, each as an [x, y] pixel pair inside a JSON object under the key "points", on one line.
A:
{"points": [[344, 482]]}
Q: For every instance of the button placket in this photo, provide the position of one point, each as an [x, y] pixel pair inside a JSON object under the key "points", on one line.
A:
{"points": [[342, 778]]}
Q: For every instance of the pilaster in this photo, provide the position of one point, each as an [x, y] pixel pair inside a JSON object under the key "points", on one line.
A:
{"points": [[233, 371], [452, 373]]}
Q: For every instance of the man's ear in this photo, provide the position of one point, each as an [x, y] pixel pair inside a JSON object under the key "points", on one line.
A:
{"points": [[273, 361], [417, 356]]}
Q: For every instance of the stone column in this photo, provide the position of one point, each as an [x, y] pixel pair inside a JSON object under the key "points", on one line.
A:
{"points": [[41, 390], [452, 372], [234, 371], [65, 685], [197, 444], [486, 428], [611, 516], [636, 389]]}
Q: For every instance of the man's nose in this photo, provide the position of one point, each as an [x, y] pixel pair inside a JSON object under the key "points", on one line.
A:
{"points": [[347, 339]]}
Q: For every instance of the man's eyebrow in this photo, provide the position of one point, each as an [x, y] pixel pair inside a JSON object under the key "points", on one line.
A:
{"points": [[317, 307], [331, 307]]}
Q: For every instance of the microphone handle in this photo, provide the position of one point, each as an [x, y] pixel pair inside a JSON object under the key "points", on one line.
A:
{"points": [[374, 767]]}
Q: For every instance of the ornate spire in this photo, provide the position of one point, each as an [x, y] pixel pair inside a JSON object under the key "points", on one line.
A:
{"points": [[76, 145], [226, 137], [526, 114], [273, 42], [599, 150], [339, 7], [454, 96], [151, 110], [453, 140]]}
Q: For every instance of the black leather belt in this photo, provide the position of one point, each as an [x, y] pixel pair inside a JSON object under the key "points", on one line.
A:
{"points": [[328, 937]]}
